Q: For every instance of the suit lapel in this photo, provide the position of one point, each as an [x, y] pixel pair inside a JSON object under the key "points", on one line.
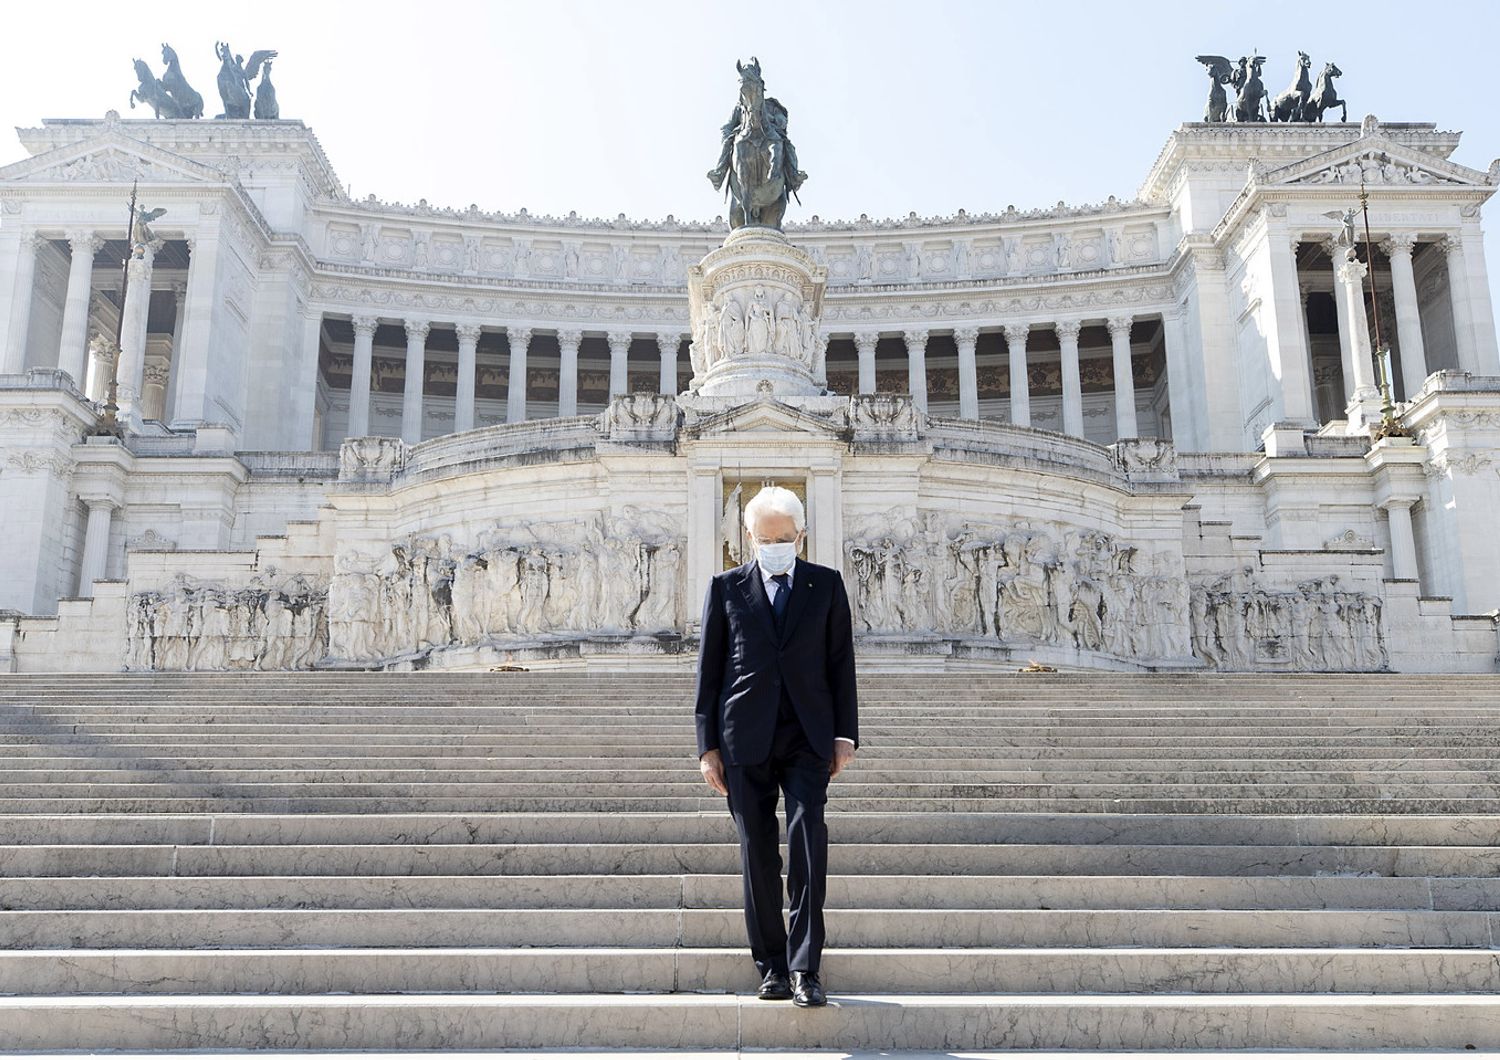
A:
{"points": [[753, 589], [797, 602]]}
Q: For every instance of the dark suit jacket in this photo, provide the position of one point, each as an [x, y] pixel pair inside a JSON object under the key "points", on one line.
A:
{"points": [[743, 666]]}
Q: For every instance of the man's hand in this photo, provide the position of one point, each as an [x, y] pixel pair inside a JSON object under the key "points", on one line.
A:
{"points": [[711, 765], [843, 754]]}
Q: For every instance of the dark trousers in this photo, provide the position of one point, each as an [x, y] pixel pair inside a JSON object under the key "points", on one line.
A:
{"points": [[799, 773]]}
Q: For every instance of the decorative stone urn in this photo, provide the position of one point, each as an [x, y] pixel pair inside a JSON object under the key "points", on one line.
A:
{"points": [[756, 302]]}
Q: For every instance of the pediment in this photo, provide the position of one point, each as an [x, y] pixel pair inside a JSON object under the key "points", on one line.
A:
{"points": [[764, 416], [111, 158], [1377, 162]]}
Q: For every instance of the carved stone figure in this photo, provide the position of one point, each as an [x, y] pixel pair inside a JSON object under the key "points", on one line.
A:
{"points": [[731, 330], [1315, 626], [756, 155], [758, 324], [235, 75], [206, 627]]}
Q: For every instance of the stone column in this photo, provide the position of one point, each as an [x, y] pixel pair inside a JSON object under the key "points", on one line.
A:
{"points": [[1286, 331], [515, 388], [1119, 339], [916, 366], [1408, 319], [619, 353], [20, 305], [1072, 389], [1187, 434], [416, 370], [1341, 305], [567, 379], [154, 392], [359, 376], [102, 356], [192, 402], [75, 323], [179, 313], [820, 359], [1352, 275], [463, 399], [968, 373], [667, 343], [95, 545], [1458, 294], [1403, 542], [132, 365], [1020, 382], [864, 343]]}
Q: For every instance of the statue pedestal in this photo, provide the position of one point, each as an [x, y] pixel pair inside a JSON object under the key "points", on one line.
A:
{"points": [[756, 302]]}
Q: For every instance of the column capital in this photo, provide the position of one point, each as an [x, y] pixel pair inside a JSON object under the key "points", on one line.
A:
{"points": [[1452, 243], [179, 290], [915, 337], [1016, 333], [518, 336], [417, 329], [965, 335], [619, 338], [866, 339], [1067, 330], [1119, 324], [468, 332], [364, 324], [32, 240], [84, 241], [569, 337], [1353, 271], [669, 339], [1398, 243]]}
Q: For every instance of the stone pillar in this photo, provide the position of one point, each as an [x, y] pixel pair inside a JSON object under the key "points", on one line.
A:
{"points": [[1186, 432], [1124, 371], [75, 323], [1408, 319], [102, 356], [301, 428], [179, 313], [1020, 382], [968, 374], [132, 365], [567, 379], [359, 376], [619, 352], [154, 392], [1458, 294], [95, 545], [916, 366], [416, 370], [463, 399], [19, 324], [1286, 337], [864, 343], [1072, 389], [515, 388], [1341, 304], [667, 343], [1403, 541], [1352, 275], [820, 359], [192, 403]]}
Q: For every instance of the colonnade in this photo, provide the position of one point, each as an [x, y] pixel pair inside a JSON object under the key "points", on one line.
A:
{"points": [[1016, 335]]}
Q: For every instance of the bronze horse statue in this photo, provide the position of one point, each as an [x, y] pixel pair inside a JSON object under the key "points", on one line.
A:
{"points": [[1325, 96], [757, 158], [153, 93], [188, 100], [1290, 105]]}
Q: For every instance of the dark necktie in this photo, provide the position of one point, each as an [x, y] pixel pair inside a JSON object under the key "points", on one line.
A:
{"points": [[778, 605]]}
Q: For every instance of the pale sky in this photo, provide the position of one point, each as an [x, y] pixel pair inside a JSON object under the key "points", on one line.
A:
{"points": [[613, 107]]}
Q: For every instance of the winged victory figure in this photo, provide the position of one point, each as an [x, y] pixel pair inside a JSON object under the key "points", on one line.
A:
{"points": [[1221, 72], [235, 76]]}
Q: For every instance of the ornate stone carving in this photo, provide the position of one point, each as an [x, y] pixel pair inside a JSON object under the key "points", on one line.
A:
{"points": [[884, 417], [1021, 583], [371, 459], [641, 416], [1145, 458], [194, 626], [1350, 540], [1238, 625], [603, 574]]}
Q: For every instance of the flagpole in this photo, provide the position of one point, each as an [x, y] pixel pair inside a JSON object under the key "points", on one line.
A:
{"points": [[109, 423]]}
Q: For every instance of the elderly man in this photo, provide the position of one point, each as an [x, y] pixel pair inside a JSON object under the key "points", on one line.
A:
{"points": [[776, 709]]}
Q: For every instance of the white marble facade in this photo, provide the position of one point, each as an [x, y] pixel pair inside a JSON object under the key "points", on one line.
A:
{"points": [[369, 434]]}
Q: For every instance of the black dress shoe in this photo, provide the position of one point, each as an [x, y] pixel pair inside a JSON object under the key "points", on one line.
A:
{"points": [[806, 990], [775, 987]]}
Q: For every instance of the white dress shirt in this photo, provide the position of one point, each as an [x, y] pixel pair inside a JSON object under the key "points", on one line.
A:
{"points": [[772, 589]]}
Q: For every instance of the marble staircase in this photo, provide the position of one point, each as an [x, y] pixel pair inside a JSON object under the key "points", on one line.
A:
{"points": [[530, 860]]}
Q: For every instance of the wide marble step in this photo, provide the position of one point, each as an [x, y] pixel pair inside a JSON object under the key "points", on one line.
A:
{"points": [[715, 1021], [912, 970]]}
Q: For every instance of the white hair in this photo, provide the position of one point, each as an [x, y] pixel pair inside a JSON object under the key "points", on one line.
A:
{"points": [[778, 500]]}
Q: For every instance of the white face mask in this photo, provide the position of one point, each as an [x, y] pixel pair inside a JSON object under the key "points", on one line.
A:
{"points": [[777, 557]]}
